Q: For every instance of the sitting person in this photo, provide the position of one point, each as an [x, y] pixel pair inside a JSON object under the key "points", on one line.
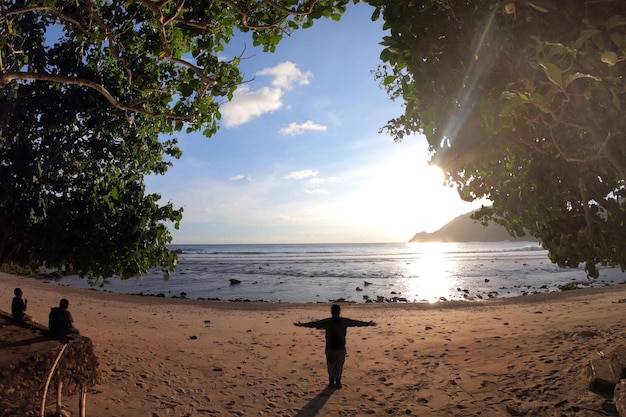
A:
{"points": [[18, 306], [61, 320]]}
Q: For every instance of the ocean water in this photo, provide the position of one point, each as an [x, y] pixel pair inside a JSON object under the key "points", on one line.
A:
{"points": [[386, 272]]}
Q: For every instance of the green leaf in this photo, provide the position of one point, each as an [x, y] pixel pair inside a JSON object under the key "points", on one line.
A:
{"points": [[585, 35], [376, 14], [617, 38], [537, 7], [389, 79], [554, 73], [512, 101], [609, 57], [616, 100], [615, 21], [569, 78]]}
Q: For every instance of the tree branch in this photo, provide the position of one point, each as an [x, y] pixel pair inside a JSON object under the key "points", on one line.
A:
{"points": [[293, 12], [243, 16], [161, 23], [585, 203], [53, 11], [7, 77]]}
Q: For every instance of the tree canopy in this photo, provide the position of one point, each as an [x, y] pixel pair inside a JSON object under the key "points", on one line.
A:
{"points": [[88, 91], [522, 103]]}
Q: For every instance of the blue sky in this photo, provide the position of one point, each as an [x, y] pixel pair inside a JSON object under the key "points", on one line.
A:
{"points": [[298, 157]]}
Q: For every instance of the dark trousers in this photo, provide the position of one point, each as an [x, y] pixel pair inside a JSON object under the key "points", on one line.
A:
{"points": [[335, 359]]}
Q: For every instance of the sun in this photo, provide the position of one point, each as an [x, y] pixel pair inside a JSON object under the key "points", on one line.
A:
{"points": [[433, 176], [400, 196]]}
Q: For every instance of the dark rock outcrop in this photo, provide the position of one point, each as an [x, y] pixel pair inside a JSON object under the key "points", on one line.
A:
{"points": [[465, 229], [29, 352]]}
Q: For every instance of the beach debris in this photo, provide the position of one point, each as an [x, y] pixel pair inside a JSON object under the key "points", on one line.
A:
{"points": [[514, 411], [366, 283], [576, 285], [604, 373], [359, 289], [234, 281], [602, 380]]}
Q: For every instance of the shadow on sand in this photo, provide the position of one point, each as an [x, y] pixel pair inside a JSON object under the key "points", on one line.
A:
{"points": [[315, 405], [27, 342]]}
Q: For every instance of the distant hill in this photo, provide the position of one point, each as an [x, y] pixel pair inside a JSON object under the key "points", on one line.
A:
{"points": [[465, 229]]}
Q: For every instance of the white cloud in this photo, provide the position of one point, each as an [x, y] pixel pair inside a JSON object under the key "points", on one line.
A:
{"points": [[299, 128], [316, 191], [247, 104], [300, 175], [286, 75], [317, 180], [238, 177]]}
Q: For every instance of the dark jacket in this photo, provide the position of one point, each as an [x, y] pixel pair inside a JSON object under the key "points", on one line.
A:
{"points": [[18, 308], [59, 320], [336, 329]]}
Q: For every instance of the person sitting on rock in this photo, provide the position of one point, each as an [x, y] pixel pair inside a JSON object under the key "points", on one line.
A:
{"points": [[18, 306], [61, 321]]}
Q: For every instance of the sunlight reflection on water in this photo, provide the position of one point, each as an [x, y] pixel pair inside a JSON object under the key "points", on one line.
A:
{"points": [[417, 272], [430, 274]]}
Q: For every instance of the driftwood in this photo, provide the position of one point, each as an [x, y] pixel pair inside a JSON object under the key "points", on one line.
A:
{"points": [[27, 367], [45, 387]]}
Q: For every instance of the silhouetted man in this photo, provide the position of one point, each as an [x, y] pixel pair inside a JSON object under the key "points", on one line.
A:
{"points": [[336, 328], [61, 320], [18, 306]]}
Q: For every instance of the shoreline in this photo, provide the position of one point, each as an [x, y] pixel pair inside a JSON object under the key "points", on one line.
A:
{"points": [[359, 273], [393, 298], [189, 357], [571, 287]]}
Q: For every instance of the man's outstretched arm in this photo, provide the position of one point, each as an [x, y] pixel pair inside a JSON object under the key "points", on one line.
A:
{"points": [[359, 323], [318, 324]]}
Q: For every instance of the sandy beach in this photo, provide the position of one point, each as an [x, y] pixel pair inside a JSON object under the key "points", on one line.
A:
{"points": [[500, 357]]}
